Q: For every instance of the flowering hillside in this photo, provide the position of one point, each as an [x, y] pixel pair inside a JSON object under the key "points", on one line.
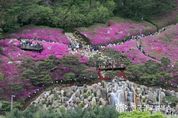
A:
{"points": [[11, 50], [163, 44], [130, 50], [43, 33], [12, 57], [11, 60], [114, 31]]}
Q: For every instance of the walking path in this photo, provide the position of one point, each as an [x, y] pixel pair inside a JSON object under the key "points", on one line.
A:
{"points": [[77, 46]]}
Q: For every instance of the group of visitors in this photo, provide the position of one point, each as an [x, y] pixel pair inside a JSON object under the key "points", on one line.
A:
{"points": [[27, 44]]}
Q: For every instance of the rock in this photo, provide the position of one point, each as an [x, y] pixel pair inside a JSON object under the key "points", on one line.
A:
{"points": [[77, 100], [81, 97], [152, 96], [98, 93], [81, 104], [77, 94], [168, 93], [102, 101], [74, 98], [103, 84], [85, 101], [66, 98], [93, 101], [89, 98], [62, 92], [173, 93], [176, 108], [68, 93], [85, 95], [103, 92], [162, 96], [73, 88], [176, 94]]}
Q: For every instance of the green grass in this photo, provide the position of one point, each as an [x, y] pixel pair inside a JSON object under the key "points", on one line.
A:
{"points": [[172, 116], [2, 116]]}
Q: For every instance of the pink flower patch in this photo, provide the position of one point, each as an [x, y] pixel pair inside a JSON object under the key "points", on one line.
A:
{"points": [[164, 44], [130, 50], [114, 32], [47, 34]]}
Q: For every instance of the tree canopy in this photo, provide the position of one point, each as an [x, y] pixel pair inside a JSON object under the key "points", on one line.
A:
{"points": [[70, 14], [143, 9]]}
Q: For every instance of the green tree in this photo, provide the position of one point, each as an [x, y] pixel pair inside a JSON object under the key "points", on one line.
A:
{"points": [[1, 76], [58, 13], [39, 72], [149, 74], [143, 9], [36, 14], [16, 87], [69, 76], [88, 74], [9, 10], [165, 62]]}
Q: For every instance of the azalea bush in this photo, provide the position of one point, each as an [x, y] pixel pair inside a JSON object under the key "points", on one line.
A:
{"points": [[33, 73], [114, 32], [8, 68], [163, 44], [11, 49], [130, 50], [42, 33]]}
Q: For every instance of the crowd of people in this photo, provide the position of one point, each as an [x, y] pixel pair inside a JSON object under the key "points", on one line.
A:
{"points": [[31, 45]]}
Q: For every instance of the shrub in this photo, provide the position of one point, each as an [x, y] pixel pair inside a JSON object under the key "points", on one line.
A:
{"points": [[149, 74], [138, 9], [70, 60], [118, 57], [16, 87], [137, 114], [69, 76], [66, 14], [1, 76], [105, 112], [39, 72], [171, 100], [6, 105], [88, 74], [111, 74]]}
